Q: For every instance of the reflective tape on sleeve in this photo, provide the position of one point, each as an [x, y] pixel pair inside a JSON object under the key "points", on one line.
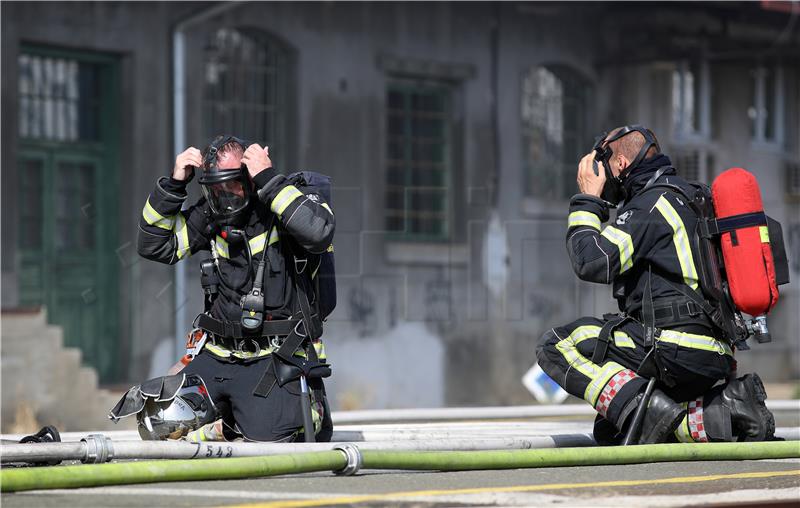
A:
{"points": [[153, 218], [284, 198], [581, 218], [681, 240], [182, 234], [624, 244]]}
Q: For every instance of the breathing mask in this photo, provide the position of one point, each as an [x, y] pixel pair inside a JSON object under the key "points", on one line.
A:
{"points": [[227, 191], [614, 189]]}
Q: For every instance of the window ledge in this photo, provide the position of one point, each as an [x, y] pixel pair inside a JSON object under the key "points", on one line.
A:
{"points": [[408, 253]]}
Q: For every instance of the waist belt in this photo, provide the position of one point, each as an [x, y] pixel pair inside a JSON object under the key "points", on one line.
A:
{"points": [[677, 313], [233, 330]]}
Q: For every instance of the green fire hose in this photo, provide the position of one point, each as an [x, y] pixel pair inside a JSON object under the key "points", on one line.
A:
{"points": [[349, 459]]}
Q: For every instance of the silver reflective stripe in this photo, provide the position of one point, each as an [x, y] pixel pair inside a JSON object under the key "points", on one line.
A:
{"points": [[581, 218], [257, 242], [681, 240], [624, 244]]}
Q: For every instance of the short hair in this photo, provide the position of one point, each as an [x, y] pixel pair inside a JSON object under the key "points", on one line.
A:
{"points": [[630, 144], [231, 148]]}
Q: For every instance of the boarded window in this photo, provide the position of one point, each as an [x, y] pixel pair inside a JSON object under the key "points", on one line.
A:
{"points": [[418, 162], [59, 98], [554, 109]]}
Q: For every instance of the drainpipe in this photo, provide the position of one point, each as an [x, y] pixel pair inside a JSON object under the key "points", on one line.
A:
{"points": [[179, 141]]}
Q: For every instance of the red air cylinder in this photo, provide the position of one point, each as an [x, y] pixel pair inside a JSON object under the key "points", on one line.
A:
{"points": [[746, 251]]}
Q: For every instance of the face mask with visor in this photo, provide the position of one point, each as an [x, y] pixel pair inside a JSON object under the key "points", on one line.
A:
{"points": [[227, 191], [614, 190]]}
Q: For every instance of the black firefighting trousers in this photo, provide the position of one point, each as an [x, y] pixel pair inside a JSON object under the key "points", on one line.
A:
{"points": [[694, 363]]}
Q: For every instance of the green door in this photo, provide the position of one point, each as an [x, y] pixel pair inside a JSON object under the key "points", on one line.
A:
{"points": [[68, 218]]}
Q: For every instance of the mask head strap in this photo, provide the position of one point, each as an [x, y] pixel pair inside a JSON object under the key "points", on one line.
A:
{"points": [[603, 150], [210, 155]]}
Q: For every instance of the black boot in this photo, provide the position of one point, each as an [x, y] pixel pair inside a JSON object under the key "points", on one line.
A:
{"points": [[661, 418], [745, 397]]}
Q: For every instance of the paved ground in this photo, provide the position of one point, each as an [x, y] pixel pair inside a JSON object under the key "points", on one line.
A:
{"points": [[740, 484], [749, 483]]}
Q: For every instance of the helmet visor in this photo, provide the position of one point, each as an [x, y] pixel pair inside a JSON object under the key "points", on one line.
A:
{"points": [[227, 197]]}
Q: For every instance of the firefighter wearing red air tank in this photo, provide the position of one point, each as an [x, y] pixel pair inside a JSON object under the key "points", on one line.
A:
{"points": [[646, 255]]}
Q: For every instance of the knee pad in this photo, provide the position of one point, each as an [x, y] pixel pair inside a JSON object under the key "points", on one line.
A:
{"points": [[167, 407]]}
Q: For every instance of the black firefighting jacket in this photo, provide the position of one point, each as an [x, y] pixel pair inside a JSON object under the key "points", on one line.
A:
{"points": [[649, 237], [301, 220]]}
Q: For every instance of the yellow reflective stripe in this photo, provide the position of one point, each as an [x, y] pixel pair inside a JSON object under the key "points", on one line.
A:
{"points": [[152, 217], [694, 341], [681, 241], [600, 380], [257, 242], [764, 232], [319, 347], [182, 234], [221, 246], [285, 198], [682, 432], [325, 206], [622, 339], [624, 243], [567, 348], [581, 218]]}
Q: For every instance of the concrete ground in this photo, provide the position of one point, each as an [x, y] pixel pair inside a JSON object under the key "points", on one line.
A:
{"points": [[725, 483]]}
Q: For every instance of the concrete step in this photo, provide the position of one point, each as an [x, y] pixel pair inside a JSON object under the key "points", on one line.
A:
{"points": [[41, 339]]}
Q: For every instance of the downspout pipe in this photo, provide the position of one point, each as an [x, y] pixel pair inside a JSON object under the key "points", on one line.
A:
{"points": [[348, 459], [179, 141]]}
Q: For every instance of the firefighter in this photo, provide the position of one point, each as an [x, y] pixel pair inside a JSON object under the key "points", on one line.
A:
{"points": [[257, 345], [646, 255]]}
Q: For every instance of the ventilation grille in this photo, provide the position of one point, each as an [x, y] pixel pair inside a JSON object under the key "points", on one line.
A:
{"points": [[793, 179]]}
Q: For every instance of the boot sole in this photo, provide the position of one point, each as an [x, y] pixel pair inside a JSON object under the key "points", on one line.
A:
{"points": [[760, 393]]}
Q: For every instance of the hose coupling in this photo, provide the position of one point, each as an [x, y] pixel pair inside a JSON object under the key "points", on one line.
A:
{"points": [[99, 449], [354, 459]]}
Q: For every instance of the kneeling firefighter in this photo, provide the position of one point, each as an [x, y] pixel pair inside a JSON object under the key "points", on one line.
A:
{"points": [[255, 362], [677, 325]]}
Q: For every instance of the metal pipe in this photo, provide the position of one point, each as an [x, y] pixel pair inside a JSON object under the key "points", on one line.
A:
{"points": [[137, 450], [347, 458], [179, 140]]}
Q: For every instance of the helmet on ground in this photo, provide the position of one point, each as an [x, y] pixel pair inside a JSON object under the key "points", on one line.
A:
{"points": [[190, 408]]}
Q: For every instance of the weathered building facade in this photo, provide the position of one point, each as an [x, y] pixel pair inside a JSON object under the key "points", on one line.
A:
{"points": [[451, 130]]}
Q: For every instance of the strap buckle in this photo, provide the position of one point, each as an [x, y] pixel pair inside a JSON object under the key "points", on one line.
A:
{"points": [[300, 262]]}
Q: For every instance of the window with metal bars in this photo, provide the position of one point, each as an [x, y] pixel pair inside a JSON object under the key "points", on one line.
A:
{"points": [[246, 90], [554, 112], [418, 196], [59, 98]]}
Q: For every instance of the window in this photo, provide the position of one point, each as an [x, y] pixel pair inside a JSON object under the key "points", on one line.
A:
{"points": [[247, 88], [58, 98], [418, 162], [767, 103], [554, 109], [691, 100]]}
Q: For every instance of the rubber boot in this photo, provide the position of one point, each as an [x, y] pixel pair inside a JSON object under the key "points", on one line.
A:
{"points": [[744, 397], [661, 418]]}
